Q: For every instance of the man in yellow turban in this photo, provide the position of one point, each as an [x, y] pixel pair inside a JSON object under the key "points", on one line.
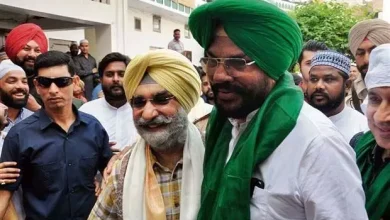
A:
{"points": [[160, 177], [363, 38], [268, 154]]}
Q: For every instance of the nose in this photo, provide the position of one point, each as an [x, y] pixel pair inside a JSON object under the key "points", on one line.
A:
{"points": [[53, 89], [366, 57], [382, 114], [220, 75], [149, 111], [115, 78], [320, 85], [32, 53]]}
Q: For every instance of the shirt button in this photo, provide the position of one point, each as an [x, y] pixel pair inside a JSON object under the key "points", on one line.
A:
{"points": [[72, 191], [69, 164]]}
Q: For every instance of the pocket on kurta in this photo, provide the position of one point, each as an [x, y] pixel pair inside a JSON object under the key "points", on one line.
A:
{"points": [[48, 177]]}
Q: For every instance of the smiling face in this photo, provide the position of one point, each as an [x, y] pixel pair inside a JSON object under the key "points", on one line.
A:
{"points": [[162, 124], [236, 92], [378, 115], [14, 89], [27, 56]]}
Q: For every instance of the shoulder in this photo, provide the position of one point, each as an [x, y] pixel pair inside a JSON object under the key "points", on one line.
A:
{"points": [[90, 120], [26, 125], [91, 106]]}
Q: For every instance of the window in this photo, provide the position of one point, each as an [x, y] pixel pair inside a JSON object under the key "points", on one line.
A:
{"points": [[156, 23], [187, 33], [181, 7], [159, 1], [137, 24], [168, 3], [174, 5], [187, 9]]}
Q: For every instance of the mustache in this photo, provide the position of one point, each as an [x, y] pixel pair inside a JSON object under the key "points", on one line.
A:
{"points": [[116, 86], [319, 93], [24, 91], [159, 120], [229, 87]]}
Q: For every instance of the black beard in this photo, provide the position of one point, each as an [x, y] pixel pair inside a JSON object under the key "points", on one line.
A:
{"points": [[7, 99], [361, 70], [110, 95], [30, 73], [252, 98], [330, 105]]}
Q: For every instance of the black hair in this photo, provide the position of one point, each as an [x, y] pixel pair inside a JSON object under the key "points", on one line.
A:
{"points": [[112, 57], [54, 58], [297, 78], [174, 31], [200, 71], [312, 45]]}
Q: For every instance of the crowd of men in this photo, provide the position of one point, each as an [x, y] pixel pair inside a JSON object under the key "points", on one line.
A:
{"points": [[232, 139]]}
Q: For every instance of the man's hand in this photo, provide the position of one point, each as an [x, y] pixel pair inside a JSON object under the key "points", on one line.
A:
{"points": [[8, 172], [98, 189], [94, 70], [32, 104], [110, 164], [114, 149]]}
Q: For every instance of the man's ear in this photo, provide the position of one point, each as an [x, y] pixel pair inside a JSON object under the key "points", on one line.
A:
{"points": [[76, 80], [348, 85], [37, 87]]}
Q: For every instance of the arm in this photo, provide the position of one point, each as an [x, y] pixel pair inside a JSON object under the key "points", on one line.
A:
{"points": [[170, 46], [105, 153], [108, 206], [330, 181], [79, 69], [5, 197], [8, 172]]}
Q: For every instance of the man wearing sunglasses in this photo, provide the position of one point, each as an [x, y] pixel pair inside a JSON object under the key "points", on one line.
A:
{"points": [[58, 149], [160, 177], [113, 111], [269, 155]]}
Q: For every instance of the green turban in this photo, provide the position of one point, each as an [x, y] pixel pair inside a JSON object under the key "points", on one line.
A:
{"points": [[264, 32]]}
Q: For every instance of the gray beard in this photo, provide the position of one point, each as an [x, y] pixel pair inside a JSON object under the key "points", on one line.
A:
{"points": [[173, 135]]}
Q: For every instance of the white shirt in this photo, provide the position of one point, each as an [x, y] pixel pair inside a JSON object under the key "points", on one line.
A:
{"points": [[350, 122], [118, 122], [311, 175]]}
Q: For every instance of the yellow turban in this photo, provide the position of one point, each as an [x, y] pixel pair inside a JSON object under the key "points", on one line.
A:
{"points": [[169, 69]]}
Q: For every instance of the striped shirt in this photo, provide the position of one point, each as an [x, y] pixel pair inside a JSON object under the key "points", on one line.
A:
{"points": [[109, 204]]}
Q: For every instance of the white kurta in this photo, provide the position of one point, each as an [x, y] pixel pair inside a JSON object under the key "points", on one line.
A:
{"points": [[118, 122], [311, 175], [350, 122]]}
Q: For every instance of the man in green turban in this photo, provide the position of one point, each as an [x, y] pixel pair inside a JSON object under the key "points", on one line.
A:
{"points": [[268, 154]]}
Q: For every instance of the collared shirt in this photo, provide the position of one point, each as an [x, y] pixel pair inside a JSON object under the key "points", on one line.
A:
{"points": [[350, 122], [84, 65], [57, 167], [23, 114], [109, 204], [176, 45], [118, 122], [312, 174]]}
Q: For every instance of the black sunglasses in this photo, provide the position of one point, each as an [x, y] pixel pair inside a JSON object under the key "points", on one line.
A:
{"points": [[60, 82], [140, 102]]}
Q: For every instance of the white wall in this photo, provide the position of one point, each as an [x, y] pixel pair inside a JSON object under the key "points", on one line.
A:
{"points": [[71, 35], [386, 10], [140, 41]]}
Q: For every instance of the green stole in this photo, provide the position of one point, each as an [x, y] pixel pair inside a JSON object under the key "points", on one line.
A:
{"points": [[377, 188], [226, 188]]}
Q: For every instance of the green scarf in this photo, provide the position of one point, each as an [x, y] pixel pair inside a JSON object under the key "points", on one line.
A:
{"points": [[226, 189], [376, 186]]}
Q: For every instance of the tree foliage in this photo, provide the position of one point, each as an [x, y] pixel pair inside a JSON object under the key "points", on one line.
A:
{"points": [[330, 22]]}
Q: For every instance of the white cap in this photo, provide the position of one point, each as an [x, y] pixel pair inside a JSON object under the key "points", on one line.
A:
{"points": [[6, 67], [378, 74], [84, 41]]}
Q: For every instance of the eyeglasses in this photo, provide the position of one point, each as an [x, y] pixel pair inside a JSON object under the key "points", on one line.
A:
{"points": [[230, 64], [139, 102], [60, 82]]}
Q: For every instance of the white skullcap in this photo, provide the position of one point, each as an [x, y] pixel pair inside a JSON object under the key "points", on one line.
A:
{"points": [[378, 74], [6, 67], [84, 41]]}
